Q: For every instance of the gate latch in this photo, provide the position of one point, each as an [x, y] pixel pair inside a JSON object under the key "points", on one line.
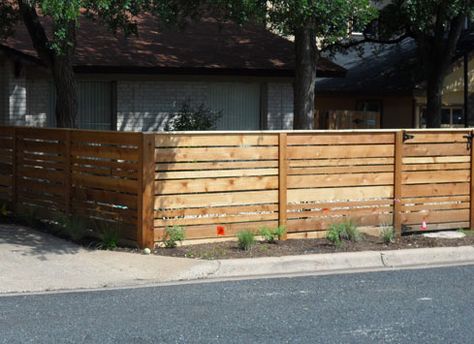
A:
{"points": [[469, 138]]}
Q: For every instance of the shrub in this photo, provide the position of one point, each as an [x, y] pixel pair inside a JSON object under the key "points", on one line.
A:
{"points": [[279, 231], [387, 234], [4, 210], [346, 230], [271, 235], [246, 239], [267, 234], [172, 236], [189, 118]]}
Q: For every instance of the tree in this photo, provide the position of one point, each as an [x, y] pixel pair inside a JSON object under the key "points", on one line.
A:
{"points": [[314, 24], [56, 50], [435, 26]]}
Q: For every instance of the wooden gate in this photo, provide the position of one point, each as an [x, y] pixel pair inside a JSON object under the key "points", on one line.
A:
{"points": [[435, 180]]}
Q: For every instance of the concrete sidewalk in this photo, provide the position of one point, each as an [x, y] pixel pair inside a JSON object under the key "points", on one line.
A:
{"points": [[32, 261]]}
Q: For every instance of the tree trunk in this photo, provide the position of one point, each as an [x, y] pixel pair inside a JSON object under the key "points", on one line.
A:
{"points": [[434, 102], [305, 78], [66, 92]]}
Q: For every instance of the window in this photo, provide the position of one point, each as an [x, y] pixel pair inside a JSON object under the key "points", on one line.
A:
{"points": [[451, 117], [369, 105]]}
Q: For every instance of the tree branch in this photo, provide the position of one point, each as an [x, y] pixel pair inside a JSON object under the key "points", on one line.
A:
{"points": [[36, 30]]}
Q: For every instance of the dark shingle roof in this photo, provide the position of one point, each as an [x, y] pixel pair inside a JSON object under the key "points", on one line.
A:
{"points": [[200, 47], [379, 70]]}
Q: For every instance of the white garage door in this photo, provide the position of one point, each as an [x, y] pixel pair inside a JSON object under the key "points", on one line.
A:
{"points": [[239, 103]]}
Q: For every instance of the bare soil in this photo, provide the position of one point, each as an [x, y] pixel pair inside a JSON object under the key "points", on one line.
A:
{"points": [[229, 249]]}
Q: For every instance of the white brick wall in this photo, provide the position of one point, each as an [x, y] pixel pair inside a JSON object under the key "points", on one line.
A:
{"points": [[37, 102], [149, 105], [280, 106], [16, 88]]}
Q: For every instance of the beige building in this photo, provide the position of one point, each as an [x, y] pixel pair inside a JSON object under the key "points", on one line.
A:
{"points": [[385, 80]]}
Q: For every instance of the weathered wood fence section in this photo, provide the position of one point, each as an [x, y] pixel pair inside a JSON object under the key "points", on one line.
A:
{"points": [[216, 184]]}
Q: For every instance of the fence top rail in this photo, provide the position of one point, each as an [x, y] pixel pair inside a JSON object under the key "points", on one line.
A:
{"points": [[252, 132]]}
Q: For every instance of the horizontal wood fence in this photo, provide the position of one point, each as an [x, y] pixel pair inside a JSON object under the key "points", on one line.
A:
{"points": [[216, 184]]}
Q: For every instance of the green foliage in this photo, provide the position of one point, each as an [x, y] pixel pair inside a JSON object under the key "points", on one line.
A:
{"points": [[189, 119], [172, 236], [387, 234], [109, 234], [271, 235], [329, 20], [245, 239], [73, 227], [346, 230]]}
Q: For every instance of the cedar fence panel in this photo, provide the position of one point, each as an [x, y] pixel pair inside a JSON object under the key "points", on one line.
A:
{"points": [[218, 183]]}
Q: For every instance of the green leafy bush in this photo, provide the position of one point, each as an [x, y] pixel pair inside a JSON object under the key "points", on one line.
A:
{"points": [[271, 235], [29, 217], [172, 236], [246, 239], [387, 234], [346, 230], [189, 118]]}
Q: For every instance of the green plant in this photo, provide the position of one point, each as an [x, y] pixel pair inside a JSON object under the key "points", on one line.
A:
{"points": [[334, 235], [350, 231], [189, 118], [172, 235], [387, 234], [246, 239], [346, 230], [267, 234], [271, 235], [109, 234], [74, 227]]}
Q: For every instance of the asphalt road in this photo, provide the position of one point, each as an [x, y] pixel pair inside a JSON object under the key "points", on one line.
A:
{"points": [[411, 306]]}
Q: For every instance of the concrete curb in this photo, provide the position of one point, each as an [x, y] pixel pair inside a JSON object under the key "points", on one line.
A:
{"points": [[333, 262]]}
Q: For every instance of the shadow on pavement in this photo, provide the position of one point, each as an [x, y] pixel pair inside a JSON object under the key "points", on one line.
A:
{"points": [[29, 242]]}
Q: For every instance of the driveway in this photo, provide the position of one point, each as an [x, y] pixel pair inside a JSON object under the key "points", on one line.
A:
{"points": [[34, 261]]}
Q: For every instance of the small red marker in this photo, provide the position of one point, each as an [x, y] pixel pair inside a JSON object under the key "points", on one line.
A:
{"points": [[220, 230], [424, 226]]}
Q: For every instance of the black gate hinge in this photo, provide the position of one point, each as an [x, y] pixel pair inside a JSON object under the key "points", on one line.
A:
{"points": [[407, 136], [469, 138]]}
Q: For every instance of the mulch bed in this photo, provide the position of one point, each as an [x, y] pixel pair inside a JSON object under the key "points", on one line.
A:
{"points": [[229, 249]]}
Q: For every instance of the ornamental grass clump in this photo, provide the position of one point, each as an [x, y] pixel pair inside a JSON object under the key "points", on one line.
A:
{"points": [[246, 239], [346, 230], [387, 234]]}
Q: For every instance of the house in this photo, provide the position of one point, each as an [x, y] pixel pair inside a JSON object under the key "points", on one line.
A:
{"points": [[385, 79], [136, 83]]}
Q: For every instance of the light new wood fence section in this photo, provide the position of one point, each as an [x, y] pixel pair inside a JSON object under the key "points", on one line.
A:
{"points": [[207, 181], [435, 181], [333, 177]]}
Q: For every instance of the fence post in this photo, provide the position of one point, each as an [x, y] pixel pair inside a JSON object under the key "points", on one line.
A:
{"points": [[146, 180], [397, 190], [282, 180], [471, 191], [68, 172], [14, 172]]}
